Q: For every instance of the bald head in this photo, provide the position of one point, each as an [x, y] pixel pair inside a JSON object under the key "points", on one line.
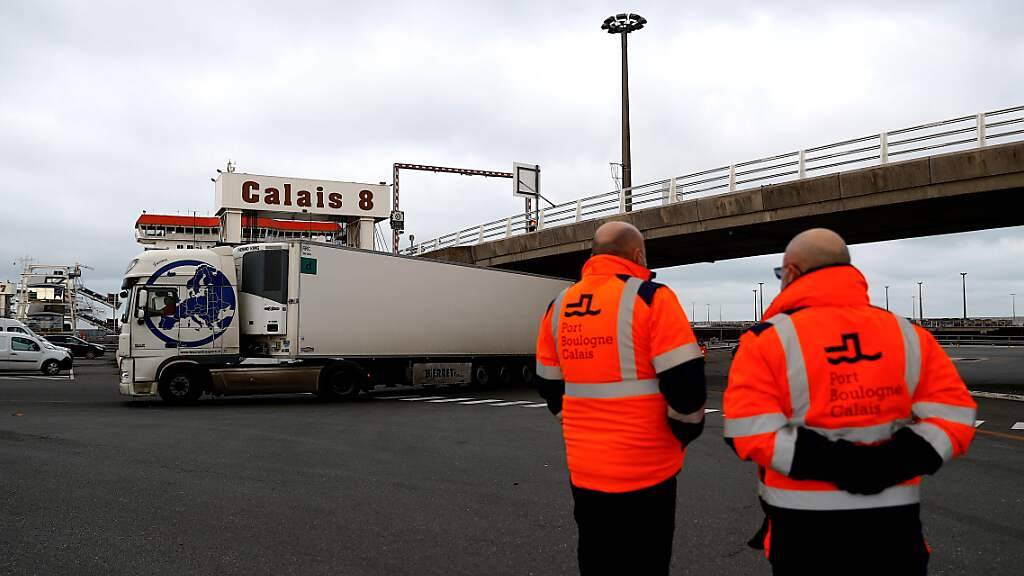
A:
{"points": [[812, 249], [620, 239]]}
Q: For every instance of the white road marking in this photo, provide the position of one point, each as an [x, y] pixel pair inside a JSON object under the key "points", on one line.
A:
{"points": [[711, 410], [541, 405], [978, 423], [12, 377], [397, 397], [479, 402], [998, 396], [447, 400], [420, 398], [1017, 426], [515, 403]]}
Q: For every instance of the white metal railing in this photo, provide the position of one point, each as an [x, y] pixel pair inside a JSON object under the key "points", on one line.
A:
{"points": [[963, 133]]}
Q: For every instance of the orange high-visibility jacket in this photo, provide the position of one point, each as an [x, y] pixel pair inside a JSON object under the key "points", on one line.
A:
{"points": [[825, 360], [632, 372]]}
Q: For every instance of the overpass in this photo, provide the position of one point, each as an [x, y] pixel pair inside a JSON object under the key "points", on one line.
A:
{"points": [[975, 182]]}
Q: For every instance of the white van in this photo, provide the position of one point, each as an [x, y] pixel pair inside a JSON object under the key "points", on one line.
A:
{"points": [[20, 351], [18, 327]]}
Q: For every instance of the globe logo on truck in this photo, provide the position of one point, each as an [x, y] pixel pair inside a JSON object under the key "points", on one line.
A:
{"points": [[204, 309]]}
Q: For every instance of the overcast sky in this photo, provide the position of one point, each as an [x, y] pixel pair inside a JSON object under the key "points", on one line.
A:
{"points": [[111, 108]]}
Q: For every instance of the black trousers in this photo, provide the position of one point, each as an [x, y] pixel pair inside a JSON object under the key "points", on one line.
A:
{"points": [[628, 533], [849, 542]]}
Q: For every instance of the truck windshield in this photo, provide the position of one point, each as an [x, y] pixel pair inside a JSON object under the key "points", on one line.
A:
{"points": [[265, 274]]}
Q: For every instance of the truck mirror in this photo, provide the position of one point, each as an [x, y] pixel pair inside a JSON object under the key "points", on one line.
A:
{"points": [[143, 298], [140, 313], [122, 294]]}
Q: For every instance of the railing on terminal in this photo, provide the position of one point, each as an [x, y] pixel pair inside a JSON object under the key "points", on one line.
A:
{"points": [[952, 135]]}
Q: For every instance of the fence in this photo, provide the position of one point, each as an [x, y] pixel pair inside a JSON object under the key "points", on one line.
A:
{"points": [[955, 134]]}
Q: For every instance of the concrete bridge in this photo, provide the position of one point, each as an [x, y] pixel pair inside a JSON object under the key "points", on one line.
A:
{"points": [[969, 190]]}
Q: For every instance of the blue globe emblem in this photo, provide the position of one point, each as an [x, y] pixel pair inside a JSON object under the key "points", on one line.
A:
{"points": [[205, 308]]}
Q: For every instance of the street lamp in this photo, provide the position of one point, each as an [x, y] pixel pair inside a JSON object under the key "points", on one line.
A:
{"points": [[1013, 309], [920, 303], [963, 279], [709, 313], [886, 298], [913, 306], [760, 287], [623, 24], [755, 303]]}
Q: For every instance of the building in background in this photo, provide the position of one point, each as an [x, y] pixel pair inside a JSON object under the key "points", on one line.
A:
{"points": [[7, 293]]}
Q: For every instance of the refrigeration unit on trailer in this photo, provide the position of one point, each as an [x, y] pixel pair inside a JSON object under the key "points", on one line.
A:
{"points": [[307, 317]]}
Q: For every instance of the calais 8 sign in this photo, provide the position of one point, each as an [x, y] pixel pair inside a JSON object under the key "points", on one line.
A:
{"points": [[302, 196]]}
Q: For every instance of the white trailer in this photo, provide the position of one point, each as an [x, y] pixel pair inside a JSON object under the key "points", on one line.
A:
{"points": [[305, 317]]}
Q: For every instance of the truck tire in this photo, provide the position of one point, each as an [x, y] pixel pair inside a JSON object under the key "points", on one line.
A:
{"points": [[342, 381], [526, 373], [482, 376], [50, 368], [181, 385], [506, 375]]}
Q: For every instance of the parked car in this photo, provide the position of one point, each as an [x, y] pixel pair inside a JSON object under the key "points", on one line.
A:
{"points": [[18, 327], [79, 348], [23, 352]]}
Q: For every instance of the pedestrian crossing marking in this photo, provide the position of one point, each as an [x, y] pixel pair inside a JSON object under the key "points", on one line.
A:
{"points": [[1017, 426], [978, 423]]}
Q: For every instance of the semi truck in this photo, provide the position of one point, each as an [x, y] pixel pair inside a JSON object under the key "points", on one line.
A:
{"points": [[305, 317]]}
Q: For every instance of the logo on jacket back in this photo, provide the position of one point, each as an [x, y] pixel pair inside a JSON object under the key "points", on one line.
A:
{"points": [[851, 342], [586, 300]]}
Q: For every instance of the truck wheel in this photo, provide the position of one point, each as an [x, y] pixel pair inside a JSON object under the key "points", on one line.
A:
{"points": [[526, 374], [50, 368], [341, 382], [482, 376], [181, 386], [506, 375]]}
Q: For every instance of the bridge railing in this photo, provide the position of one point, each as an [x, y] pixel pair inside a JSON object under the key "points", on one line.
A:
{"points": [[952, 135]]}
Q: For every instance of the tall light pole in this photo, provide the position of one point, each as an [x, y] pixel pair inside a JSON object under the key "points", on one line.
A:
{"points": [[709, 313], [963, 279], [913, 306], [755, 303], [1013, 309], [886, 298], [760, 287], [623, 24], [920, 302]]}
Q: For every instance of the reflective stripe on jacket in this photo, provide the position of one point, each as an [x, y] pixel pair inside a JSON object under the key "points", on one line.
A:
{"points": [[846, 370], [608, 337]]}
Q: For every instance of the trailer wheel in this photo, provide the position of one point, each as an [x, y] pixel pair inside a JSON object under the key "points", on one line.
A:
{"points": [[482, 376], [527, 374], [181, 385], [341, 381], [506, 375]]}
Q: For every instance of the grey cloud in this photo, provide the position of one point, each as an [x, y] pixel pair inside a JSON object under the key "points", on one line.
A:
{"points": [[109, 108]]}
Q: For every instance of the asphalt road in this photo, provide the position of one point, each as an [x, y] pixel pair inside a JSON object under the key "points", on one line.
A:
{"points": [[393, 484]]}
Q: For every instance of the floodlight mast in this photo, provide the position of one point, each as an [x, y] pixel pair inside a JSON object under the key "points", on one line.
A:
{"points": [[623, 24]]}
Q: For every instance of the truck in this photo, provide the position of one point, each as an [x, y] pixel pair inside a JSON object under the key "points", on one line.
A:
{"points": [[306, 317]]}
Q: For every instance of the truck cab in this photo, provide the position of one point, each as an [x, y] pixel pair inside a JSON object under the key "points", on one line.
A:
{"points": [[179, 316]]}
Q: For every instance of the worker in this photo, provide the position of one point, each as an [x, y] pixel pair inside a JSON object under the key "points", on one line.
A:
{"points": [[618, 364], [843, 406]]}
